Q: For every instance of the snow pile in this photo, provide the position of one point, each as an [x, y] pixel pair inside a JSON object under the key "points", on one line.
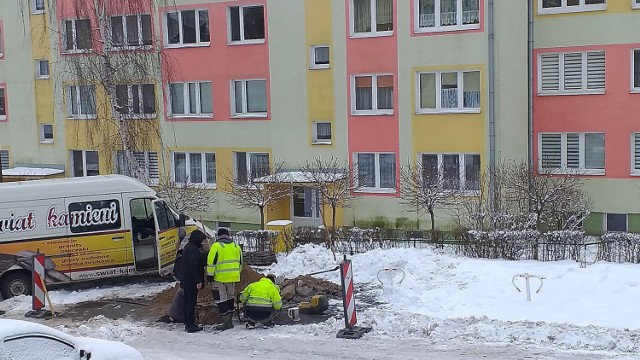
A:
{"points": [[104, 328], [304, 260]]}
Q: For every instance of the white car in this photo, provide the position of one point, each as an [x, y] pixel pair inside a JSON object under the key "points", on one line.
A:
{"points": [[24, 340]]}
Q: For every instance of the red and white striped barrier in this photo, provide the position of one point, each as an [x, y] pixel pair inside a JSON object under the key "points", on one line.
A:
{"points": [[351, 331], [38, 299], [39, 292]]}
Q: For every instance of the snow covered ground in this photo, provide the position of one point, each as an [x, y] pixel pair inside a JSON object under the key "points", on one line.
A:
{"points": [[446, 307]]}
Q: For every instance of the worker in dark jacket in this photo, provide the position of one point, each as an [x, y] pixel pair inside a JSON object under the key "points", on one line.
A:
{"points": [[192, 278]]}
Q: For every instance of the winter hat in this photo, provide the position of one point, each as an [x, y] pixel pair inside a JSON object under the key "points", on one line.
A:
{"points": [[197, 237], [272, 278], [223, 231]]}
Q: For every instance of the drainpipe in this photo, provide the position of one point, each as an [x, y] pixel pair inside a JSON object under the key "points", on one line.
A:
{"points": [[492, 115], [530, 161]]}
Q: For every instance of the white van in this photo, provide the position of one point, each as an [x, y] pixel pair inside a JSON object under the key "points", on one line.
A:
{"points": [[88, 228]]}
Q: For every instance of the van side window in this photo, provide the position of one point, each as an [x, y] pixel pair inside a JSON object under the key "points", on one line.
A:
{"points": [[166, 220], [142, 218]]}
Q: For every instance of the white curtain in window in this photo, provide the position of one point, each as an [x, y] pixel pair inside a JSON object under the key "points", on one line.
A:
{"points": [[361, 16], [366, 170], [384, 15], [259, 165], [427, 13], [449, 98], [448, 12], [323, 131], [470, 12], [256, 96], [364, 96], [180, 167], [594, 151], [387, 171], [195, 168], [210, 160]]}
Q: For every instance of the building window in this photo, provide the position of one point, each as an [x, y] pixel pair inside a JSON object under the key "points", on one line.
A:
{"points": [[635, 145], [322, 132], [250, 166], [4, 159], [376, 171], [84, 163], [37, 6], [46, 133], [616, 222], [132, 31], [635, 81], [42, 69], [136, 100], [3, 104], [371, 17], [81, 101], [320, 57], [147, 162], [246, 24], [580, 72], [250, 98], [194, 168], [1, 41], [568, 6], [572, 153], [635, 4], [446, 15], [77, 35], [191, 99], [372, 94], [187, 27], [451, 171], [448, 91]]}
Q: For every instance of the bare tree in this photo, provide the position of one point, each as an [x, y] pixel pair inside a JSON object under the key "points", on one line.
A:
{"points": [[186, 197], [546, 201], [333, 180], [424, 190], [247, 194], [114, 63]]}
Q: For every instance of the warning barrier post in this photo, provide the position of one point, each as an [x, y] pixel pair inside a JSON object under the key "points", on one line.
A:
{"points": [[39, 292], [351, 330]]}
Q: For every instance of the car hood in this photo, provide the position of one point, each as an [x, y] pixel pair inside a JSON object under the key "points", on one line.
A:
{"points": [[108, 350]]}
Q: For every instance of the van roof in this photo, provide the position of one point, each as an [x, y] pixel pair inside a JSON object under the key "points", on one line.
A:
{"points": [[69, 187]]}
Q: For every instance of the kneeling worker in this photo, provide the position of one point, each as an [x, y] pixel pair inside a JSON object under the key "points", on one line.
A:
{"points": [[262, 301]]}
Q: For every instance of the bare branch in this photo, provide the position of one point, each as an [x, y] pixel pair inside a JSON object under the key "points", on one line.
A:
{"points": [[186, 197]]}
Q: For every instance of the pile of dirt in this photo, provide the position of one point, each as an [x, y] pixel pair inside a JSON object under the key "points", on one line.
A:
{"points": [[292, 291]]}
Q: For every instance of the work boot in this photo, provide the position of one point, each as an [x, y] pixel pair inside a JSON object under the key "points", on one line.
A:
{"points": [[227, 322], [192, 328]]}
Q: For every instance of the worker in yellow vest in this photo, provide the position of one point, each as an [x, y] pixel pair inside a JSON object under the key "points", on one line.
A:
{"points": [[224, 264], [262, 301]]}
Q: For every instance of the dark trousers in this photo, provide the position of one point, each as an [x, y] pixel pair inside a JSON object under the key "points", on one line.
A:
{"points": [[190, 300], [258, 313]]}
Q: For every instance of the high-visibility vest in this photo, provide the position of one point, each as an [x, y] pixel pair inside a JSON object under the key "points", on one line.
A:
{"points": [[227, 267], [262, 293]]}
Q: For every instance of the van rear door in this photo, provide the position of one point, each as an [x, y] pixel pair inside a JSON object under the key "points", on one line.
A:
{"points": [[167, 238]]}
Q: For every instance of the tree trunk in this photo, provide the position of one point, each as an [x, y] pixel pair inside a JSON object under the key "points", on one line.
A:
{"points": [[261, 217], [433, 225], [332, 233], [1, 179]]}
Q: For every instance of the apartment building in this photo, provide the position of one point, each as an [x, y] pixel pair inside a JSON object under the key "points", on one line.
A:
{"points": [[244, 85]]}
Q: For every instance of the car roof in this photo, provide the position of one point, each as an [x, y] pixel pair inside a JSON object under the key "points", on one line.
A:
{"points": [[11, 328], [70, 187]]}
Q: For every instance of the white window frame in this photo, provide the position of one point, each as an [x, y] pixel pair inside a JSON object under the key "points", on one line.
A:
{"points": [[35, 10], [39, 74], [312, 58], [203, 159], [376, 188], [131, 114], [635, 4], [78, 102], [374, 95], [562, 91], [462, 173], [186, 100], [198, 43], [443, 28], [439, 109], [248, 164], [1, 42], [242, 40], [126, 46], [634, 89], [245, 104], [563, 9], [5, 154], [373, 32], [605, 223], [634, 171], [581, 169], [317, 141], [65, 41], [6, 103], [84, 162], [43, 139]]}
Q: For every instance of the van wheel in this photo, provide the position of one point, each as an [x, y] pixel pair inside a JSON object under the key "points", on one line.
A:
{"points": [[15, 284]]}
